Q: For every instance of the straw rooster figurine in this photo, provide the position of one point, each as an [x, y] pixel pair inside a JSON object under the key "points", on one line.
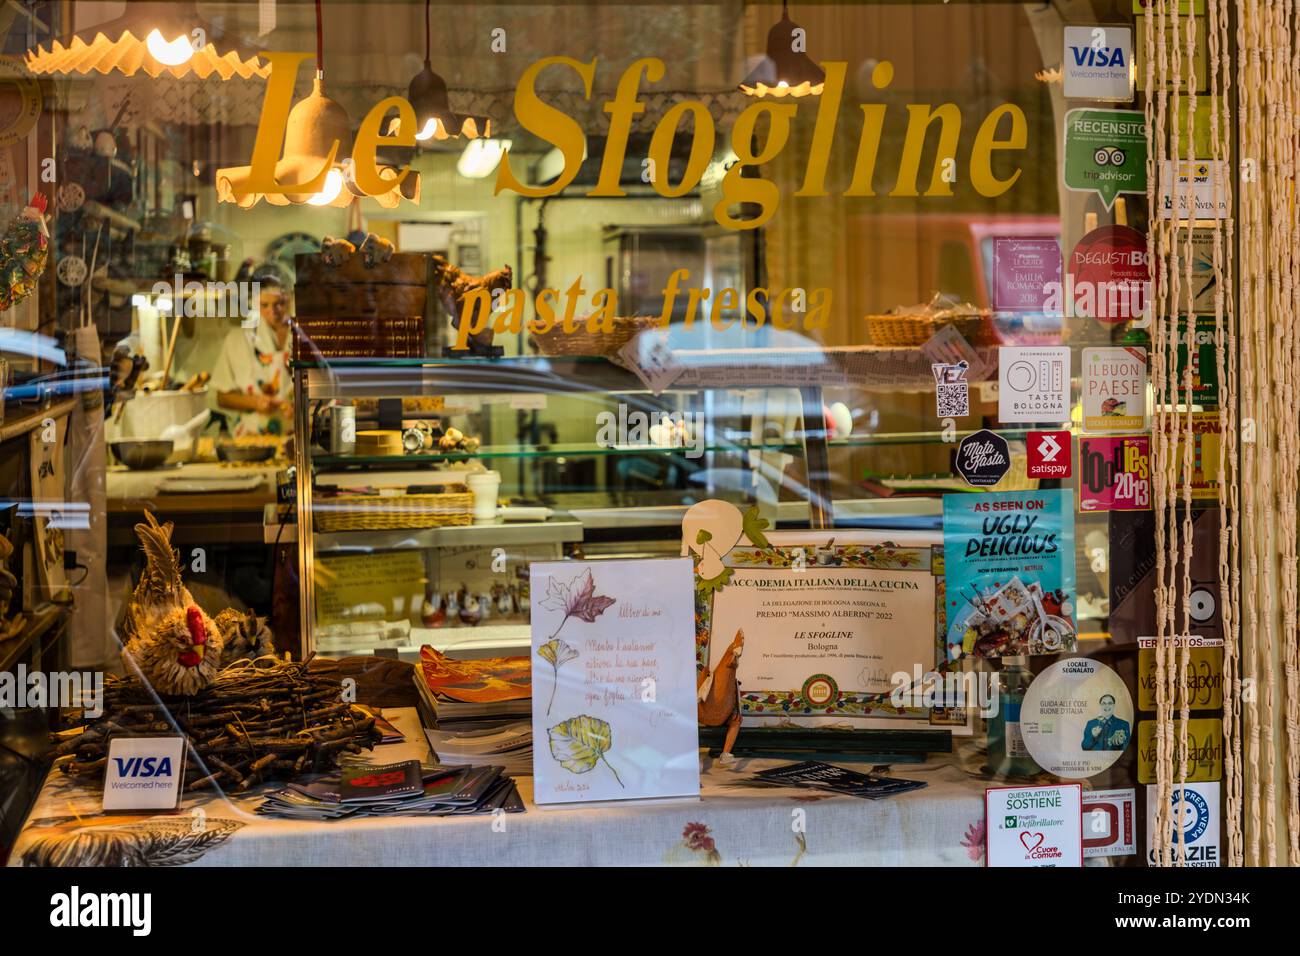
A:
{"points": [[24, 251], [169, 640]]}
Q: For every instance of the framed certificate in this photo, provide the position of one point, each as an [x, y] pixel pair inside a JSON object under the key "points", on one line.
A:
{"points": [[833, 621]]}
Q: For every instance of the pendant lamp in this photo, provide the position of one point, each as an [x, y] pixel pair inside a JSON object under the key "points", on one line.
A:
{"points": [[434, 116], [315, 123], [786, 70], [158, 38]]}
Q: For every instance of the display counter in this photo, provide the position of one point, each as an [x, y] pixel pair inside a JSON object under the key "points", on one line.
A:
{"points": [[231, 496]]}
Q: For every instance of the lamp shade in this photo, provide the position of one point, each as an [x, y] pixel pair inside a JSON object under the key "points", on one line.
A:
{"points": [[155, 38], [783, 71], [315, 123], [433, 113]]}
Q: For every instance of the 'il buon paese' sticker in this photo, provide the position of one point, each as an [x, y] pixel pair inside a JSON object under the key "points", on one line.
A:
{"points": [[1077, 718]]}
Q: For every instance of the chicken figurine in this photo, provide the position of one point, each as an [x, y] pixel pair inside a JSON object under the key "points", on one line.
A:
{"points": [[168, 639], [246, 636]]}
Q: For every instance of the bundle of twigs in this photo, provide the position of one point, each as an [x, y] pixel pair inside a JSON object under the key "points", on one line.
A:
{"points": [[259, 720]]}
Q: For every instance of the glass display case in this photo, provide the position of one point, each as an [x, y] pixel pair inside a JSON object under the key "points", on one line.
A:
{"points": [[578, 457]]}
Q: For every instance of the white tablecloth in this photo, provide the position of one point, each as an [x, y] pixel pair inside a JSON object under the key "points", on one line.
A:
{"points": [[735, 823]]}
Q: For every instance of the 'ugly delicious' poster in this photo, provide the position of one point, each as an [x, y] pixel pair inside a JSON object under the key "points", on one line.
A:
{"points": [[1009, 573]]}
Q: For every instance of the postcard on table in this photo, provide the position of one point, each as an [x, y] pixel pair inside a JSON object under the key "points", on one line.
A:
{"points": [[614, 702]]}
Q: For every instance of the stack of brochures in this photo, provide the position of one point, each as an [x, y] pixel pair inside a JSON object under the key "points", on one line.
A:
{"points": [[509, 745], [400, 789], [827, 777], [454, 690]]}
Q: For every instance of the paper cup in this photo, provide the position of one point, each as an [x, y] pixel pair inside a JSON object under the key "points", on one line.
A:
{"points": [[484, 485]]}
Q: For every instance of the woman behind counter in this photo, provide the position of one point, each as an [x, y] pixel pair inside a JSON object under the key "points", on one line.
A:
{"points": [[252, 381]]}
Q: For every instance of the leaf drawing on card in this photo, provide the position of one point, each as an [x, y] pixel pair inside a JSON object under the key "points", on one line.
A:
{"points": [[581, 742], [577, 598], [557, 652]]}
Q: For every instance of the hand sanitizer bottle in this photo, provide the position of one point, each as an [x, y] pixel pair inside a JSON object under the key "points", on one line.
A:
{"points": [[1008, 755]]}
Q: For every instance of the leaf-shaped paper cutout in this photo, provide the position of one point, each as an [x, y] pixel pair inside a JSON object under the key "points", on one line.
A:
{"points": [[708, 586], [580, 743], [754, 525]]}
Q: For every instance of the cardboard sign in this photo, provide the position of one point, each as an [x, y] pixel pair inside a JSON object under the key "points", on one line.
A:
{"points": [[1194, 809], [1185, 7], [651, 359], [144, 773], [1204, 750], [1105, 153], [949, 347], [1198, 68], [1034, 383], [379, 586], [1109, 823], [1207, 431], [1115, 473], [1202, 684], [1201, 187], [614, 691], [1023, 270], [1050, 454], [1196, 345], [1113, 389], [1098, 63], [1034, 826], [1201, 257], [1009, 582]]}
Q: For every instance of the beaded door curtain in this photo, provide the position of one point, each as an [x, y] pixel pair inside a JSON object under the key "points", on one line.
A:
{"points": [[1246, 204]]}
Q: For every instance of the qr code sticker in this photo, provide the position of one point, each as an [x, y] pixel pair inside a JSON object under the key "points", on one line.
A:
{"points": [[953, 401]]}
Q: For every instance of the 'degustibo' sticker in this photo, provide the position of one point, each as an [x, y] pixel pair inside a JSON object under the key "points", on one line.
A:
{"points": [[1077, 718]]}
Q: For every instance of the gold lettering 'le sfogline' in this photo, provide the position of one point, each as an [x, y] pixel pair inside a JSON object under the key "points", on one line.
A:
{"points": [[565, 133]]}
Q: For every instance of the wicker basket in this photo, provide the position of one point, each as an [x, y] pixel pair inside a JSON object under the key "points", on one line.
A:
{"points": [[580, 341], [391, 512], [912, 331]]}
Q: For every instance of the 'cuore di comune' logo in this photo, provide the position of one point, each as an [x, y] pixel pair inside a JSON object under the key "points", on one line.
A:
{"points": [[1004, 129]]}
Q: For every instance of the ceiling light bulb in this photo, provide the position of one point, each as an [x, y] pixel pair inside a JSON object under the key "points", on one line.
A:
{"points": [[333, 186], [430, 128], [172, 53], [481, 157]]}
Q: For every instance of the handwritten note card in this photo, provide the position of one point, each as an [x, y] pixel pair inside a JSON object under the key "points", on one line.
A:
{"points": [[614, 706]]}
